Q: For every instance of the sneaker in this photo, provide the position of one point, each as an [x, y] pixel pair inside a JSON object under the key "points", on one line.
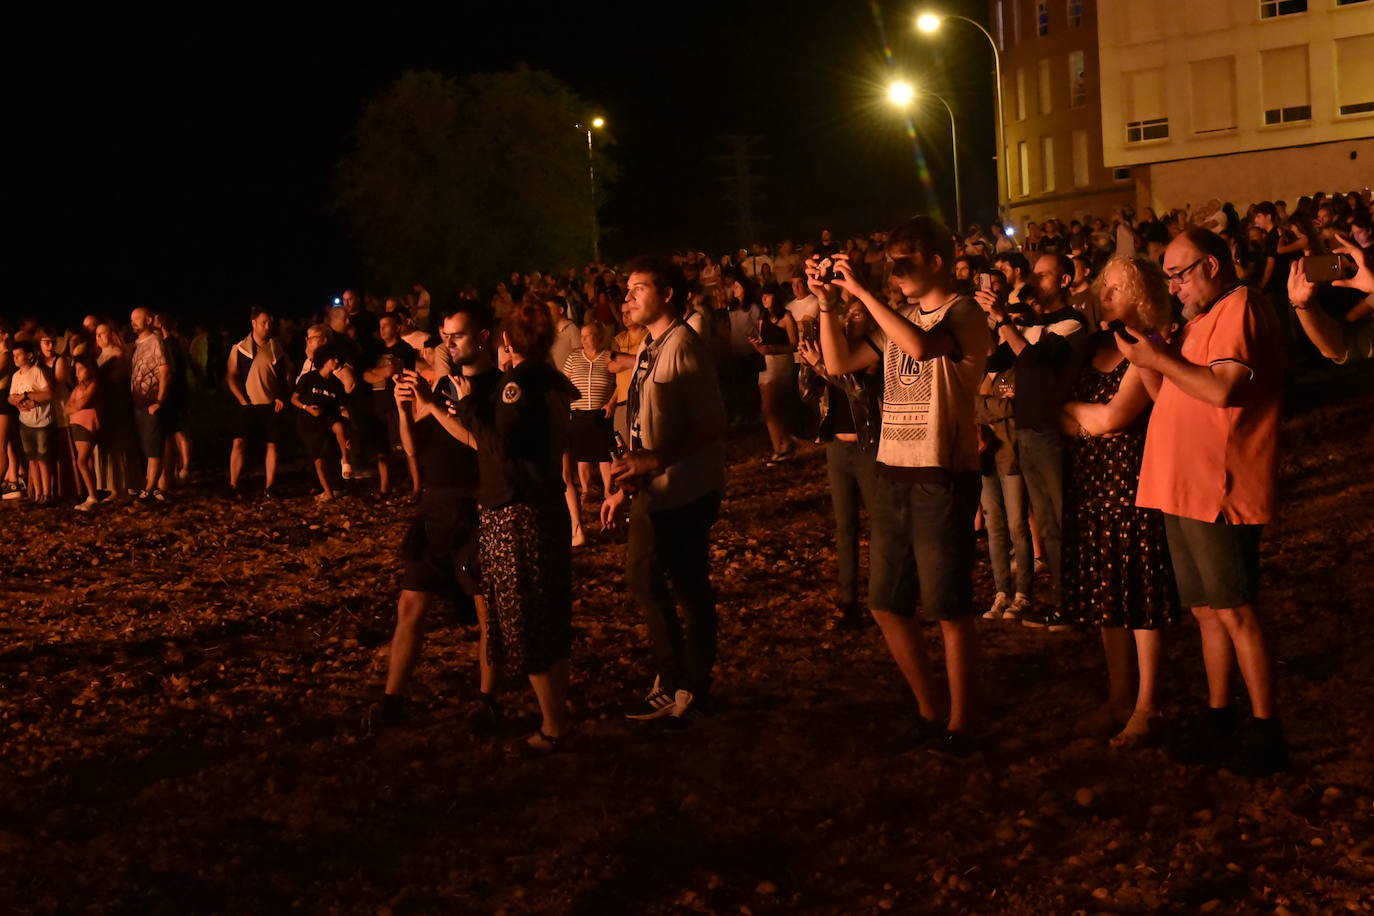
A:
{"points": [[484, 718], [1017, 607], [656, 704], [1044, 620], [10, 490], [688, 710], [159, 495], [269, 493], [958, 745], [999, 607], [346, 470]]}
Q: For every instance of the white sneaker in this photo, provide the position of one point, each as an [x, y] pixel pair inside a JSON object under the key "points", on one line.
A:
{"points": [[657, 704], [1016, 607], [346, 470], [999, 607]]}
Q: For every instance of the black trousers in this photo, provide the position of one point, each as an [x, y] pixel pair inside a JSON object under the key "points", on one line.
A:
{"points": [[668, 565]]}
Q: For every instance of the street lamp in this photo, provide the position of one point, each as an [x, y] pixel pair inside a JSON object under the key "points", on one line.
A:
{"points": [[596, 123], [902, 94], [929, 23]]}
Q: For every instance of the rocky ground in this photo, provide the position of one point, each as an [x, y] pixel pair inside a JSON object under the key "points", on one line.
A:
{"points": [[182, 689]]}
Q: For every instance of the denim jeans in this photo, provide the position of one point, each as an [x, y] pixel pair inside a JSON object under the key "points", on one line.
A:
{"points": [[851, 471], [1041, 453], [669, 558], [1004, 516]]}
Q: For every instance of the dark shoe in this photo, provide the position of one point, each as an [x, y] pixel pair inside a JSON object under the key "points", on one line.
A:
{"points": [[142, 495], [921, 734], [538, 745], [159, 495], [847, 617], [958, 745], [271, 494], [1265, 752], [484, 719], [1038, 619], [656, 704]]}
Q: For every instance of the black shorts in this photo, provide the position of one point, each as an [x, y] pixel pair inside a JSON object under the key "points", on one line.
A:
{"points": [[440, 549], [258, 423], [317, 435], [152, 434], [173, 416], [923, 544], [590, 436], [1216, 563], [81, 433]]}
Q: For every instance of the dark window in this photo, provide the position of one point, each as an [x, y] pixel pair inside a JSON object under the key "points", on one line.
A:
{"points": [[1042, 18], [1288, 115], [1154, 129], [1271, 8], [1121, 174], [1357, 108], [1075, 13]]}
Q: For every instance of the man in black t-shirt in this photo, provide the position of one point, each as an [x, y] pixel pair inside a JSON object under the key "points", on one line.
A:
{"points": [[440, 549], [394, 355]]}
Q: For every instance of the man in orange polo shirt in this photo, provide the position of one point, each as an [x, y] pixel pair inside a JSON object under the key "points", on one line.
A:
{"points": [[1211, 460]]}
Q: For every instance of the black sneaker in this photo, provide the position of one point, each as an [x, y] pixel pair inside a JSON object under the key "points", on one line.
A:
{"points": [[270, 494], [142, 495], [1264, 748], [921, 734], [656, 704], [958, 745], [1038, 619], [484, 718]]}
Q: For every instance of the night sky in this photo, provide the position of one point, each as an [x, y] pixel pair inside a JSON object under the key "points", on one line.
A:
{"points": [[194, 173]]}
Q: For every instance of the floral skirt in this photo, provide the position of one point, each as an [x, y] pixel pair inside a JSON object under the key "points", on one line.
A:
{"points": [[526, 557]]}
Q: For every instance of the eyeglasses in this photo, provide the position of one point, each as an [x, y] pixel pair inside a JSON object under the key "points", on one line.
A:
{"points": [[1177, 276]]}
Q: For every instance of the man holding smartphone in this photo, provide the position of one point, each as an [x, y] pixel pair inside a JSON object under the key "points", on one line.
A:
{"points": [[933, 351], [440, 548], [1339, 341]]}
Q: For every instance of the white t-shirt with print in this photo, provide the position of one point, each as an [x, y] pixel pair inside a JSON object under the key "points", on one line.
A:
{"points": [[927, 407], [24, 381]]}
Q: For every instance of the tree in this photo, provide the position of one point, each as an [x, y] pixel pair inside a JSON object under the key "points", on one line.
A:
{"points": [[457, 180]]}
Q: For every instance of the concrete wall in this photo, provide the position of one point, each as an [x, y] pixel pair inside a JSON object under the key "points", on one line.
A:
{"points": [[1244, 178]]}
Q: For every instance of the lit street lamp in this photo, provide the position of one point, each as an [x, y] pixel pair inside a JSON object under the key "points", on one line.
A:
{"points": [[596, 123], [929, 23], [902, 94]]}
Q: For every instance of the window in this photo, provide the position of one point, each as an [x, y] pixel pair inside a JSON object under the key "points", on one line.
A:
{"points": [[1078, 81], [1042, 18], [1075, 13], [1006, 157], [1146, 116], [1016, 22], [1020, 94], [1349, 2], [1153, 129], [1283, 85], [1081, 174], [1047, 163], [1024, 156], [1213, 88], [997, 22], [1272, 8], [1122, 174], [1046, 98], [1355, 75]]}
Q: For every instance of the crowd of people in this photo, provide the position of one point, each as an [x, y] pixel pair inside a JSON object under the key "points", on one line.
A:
{"points": [[1101, 397]]}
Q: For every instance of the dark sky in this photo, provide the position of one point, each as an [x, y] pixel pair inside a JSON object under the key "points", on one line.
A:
{"points": [[189, 166]]}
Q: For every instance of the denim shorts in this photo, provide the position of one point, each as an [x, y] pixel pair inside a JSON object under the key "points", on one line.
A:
{"points": [[1216, 563], [923, 544], [36, 441]]}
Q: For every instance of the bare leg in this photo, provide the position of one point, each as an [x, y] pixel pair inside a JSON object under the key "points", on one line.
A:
{"points": [[1218, 656], [1252, 652], [551, 689], [236, 462], [584, 477], [1121, 675], [573, 500], [407, 639], [1149, 645], [961, 663], [605, 468], [270, 464], [413, 466], [323, 474], [383, 474], [169, 464], [183, 442], [769, 400], [84, 467], [907, 645], [5, 467]]}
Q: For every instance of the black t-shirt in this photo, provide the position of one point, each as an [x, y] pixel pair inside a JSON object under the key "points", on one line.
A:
{"points": [[446, 463], [1041, 373], [1278, 280], [404, 356], [314, 390], [521, 427]]}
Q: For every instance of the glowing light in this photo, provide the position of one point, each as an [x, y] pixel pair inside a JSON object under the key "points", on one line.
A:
{"points": [[598, 122], [1010, 230], [928, 23], [901, 93]]}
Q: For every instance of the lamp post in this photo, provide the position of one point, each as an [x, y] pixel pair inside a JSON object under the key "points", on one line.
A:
{"points": [[902, 94], [930, 23], [596, 123]]}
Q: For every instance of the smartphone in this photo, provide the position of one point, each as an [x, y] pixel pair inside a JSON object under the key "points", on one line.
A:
{"points": [[1323, 268], [1119, 327], [984, 279]]}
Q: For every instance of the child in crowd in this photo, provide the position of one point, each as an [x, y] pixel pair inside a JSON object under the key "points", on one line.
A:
{"points": [[31, 393], [84, 423], [320, 397]]}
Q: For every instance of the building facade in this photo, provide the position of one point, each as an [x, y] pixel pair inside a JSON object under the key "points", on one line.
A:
{"points": [[1051, 79], [1239, 100]]}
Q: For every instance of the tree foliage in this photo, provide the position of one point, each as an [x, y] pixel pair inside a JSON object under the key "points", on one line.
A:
{"points": [[457, 180]]}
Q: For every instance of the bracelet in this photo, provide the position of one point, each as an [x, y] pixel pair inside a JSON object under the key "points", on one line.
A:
{"points": [[1300, 308], [1001, 324]]}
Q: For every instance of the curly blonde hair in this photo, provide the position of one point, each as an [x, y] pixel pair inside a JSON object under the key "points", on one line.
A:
{"points": [[1145, 286]]}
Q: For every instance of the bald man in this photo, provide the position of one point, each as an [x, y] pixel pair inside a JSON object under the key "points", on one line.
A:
{"points": [[1210, 464], [150, 379]]}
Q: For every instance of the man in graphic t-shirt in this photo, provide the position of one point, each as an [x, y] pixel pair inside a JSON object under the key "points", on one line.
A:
{"points": [[933, 351]]}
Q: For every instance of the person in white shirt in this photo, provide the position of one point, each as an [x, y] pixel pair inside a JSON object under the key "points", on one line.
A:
{"points": [[31, 393]]}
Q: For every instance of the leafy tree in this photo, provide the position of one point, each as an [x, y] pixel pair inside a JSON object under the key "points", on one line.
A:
{"points": [[459, 180]]}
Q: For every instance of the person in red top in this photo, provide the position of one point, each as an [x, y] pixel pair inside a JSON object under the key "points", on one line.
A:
{"points": [[1210, 464]]}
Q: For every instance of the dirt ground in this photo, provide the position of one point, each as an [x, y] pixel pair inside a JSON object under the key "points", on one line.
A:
{"points": [[182, 689]]}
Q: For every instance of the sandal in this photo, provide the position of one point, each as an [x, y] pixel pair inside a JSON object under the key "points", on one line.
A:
{"points": [[539, 744]]}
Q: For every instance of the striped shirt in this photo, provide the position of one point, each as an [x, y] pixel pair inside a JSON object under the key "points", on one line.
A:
{"points": [[592, 377]]}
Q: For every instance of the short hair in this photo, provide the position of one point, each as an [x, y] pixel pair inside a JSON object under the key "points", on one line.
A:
{"points": [[257, 310], [322, 329], [925, 235], [1213, 246], [325, 353], [1266, 208], [24, 345], [597, 328], [1063, 265], [529, 328], [665, 275], [1016, 259], [480, 315]]}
